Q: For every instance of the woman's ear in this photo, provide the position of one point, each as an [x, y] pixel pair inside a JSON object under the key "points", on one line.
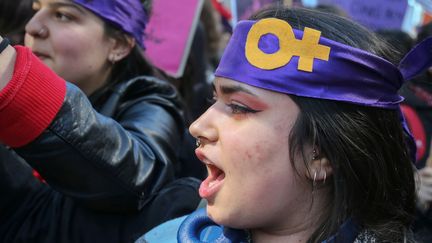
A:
{"points": [[121, 47], [319, 168]]}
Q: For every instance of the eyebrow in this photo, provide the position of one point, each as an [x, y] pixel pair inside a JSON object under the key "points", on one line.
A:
{"points": [[67, 4], [230, 89]]}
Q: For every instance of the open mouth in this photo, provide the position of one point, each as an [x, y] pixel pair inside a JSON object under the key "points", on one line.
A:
{"points": [[213, 182]]}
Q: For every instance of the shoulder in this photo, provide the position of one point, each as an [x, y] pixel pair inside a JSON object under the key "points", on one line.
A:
{"points": [[138, 94], [150, 90], [147, 85]]}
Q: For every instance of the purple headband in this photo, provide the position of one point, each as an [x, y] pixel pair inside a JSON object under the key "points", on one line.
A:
{"points": [[128, 15], [269, 54]]}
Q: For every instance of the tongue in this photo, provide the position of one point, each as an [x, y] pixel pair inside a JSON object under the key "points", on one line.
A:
{"points": [[211, 185]]}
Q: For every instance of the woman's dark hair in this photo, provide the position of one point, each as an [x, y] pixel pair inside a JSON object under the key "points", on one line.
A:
{"points": [[135, 63], [399, 40], [372, 181], [331, 8], [132, 65]]}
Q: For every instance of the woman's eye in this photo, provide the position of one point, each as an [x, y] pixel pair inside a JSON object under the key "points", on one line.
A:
{"points": [[240, 109], [62, 17]]}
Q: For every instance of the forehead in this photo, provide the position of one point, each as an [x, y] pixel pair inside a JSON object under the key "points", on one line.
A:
{"points": [[76, 9]]}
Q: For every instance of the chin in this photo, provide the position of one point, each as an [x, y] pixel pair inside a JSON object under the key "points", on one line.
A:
{"points": [[225, 218], [216, 216]]}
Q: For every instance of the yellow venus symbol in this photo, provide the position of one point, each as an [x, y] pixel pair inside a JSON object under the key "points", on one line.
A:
{"points": [[307, 49]]}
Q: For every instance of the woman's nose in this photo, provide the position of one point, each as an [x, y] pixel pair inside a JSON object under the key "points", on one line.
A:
{"points": [[36, 27], [204, 128]]}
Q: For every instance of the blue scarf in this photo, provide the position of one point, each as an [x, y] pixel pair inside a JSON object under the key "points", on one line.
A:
{"points": [[198, 227]]}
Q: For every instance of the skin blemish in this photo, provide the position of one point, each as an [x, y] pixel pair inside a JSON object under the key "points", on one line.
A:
{"points": [[248, 155]]}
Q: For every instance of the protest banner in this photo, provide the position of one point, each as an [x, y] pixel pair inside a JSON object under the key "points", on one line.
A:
{"points": [[242, 9], [170, 33], [382, 14]]}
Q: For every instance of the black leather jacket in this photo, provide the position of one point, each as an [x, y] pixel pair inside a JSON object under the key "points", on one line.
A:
{"points": [[110, 174], [112, 160]]}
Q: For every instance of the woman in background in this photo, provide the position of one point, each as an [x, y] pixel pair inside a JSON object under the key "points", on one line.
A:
{"points": [[105, 142]]}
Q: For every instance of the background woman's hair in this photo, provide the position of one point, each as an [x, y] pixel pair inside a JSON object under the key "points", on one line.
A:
{"points": [[373, 178], [133, 65]]}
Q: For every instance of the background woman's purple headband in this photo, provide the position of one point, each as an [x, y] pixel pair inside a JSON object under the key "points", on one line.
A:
{"points": [[128, 15], [270, 54]]}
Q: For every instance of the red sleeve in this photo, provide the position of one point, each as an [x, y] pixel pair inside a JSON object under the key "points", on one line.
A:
{"points": [[30, 100], [416, 128]]}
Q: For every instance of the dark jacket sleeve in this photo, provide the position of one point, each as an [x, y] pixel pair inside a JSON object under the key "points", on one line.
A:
{"points": [[106, 164]]}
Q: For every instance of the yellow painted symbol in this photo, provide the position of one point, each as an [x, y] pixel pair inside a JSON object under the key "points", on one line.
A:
{"points": [[307, 49]]}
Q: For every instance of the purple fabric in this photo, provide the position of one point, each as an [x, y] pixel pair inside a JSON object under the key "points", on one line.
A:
{"points": [[128, 15], [417, 60], [350, 75], [266, 39]]}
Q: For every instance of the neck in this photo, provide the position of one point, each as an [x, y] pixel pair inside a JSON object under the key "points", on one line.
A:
{"points": [[299, 227], [282, 237], [300, 233], [91, 84]]}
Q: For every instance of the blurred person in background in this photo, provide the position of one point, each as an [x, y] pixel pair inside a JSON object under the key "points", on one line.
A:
{"points": [[106, 141], [195, 84], [417, 109]]}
